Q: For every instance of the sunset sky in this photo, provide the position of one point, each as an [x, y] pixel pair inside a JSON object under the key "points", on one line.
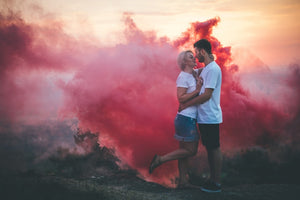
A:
{"points": [[269, 29]]}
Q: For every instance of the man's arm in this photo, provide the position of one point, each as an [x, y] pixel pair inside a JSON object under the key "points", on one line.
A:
{"points": [[182, 94], [183, 97], [197, 100]]}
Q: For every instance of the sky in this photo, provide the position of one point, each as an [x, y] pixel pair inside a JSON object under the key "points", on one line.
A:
{"points": [[270, 29]]}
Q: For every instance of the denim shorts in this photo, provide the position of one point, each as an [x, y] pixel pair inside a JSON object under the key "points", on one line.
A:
{"points": [[185, 129]]}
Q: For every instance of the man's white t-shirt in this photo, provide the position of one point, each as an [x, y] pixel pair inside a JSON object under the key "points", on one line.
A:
{"points": [[210, 112], [188, 81]]}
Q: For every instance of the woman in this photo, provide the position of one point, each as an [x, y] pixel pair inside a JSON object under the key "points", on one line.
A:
{"points": [[188, 87]]}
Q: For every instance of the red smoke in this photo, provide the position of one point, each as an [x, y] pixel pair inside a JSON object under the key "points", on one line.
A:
{"points": [[32, 58], [128, 95], [127, 92]]}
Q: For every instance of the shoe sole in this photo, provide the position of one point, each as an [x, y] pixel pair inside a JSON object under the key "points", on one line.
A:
{"points": [[188, 186], [210, 191]]}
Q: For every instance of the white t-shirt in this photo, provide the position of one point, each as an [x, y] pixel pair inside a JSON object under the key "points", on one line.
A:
{"points": [[188, 81], [210, 112]]}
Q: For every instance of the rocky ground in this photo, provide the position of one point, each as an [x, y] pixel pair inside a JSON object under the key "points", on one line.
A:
{"points": [[127, 186], [252, 174]]}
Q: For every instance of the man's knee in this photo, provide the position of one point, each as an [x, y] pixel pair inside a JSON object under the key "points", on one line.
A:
{"points": [[212, 148]]}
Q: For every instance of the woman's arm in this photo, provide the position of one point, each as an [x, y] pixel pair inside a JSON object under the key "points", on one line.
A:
{"points": [[199, 71], [196, 73]]}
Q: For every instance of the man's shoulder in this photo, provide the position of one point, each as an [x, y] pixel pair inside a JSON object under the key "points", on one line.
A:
{"points": [[213, 66]]}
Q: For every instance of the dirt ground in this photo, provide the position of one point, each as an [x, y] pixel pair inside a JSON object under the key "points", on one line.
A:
{"points": [[126, 186]]}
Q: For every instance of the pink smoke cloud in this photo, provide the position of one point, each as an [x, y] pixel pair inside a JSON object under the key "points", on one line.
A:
{"points": [[32, 58], [127, 92]]}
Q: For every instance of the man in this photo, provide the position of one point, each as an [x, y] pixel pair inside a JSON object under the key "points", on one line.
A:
{"points": [[209, 112]]}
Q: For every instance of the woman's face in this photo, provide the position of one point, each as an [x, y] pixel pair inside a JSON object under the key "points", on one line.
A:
{"points": [[190, 60]]}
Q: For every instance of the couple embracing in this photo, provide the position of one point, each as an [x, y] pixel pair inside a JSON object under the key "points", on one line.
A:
{"points": [[198, 92]]}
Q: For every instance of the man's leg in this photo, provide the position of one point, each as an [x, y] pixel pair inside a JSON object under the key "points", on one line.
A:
{"points": [[215, 164], [210, 139]]}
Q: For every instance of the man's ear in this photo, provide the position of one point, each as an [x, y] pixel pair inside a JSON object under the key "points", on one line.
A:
{"points": [[202, 52]]}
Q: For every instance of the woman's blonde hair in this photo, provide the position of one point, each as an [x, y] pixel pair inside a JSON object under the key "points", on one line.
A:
{"points": [[181, 59]]}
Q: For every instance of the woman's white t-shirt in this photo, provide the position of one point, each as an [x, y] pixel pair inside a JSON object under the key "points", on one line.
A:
{"points": [[188, 81]]}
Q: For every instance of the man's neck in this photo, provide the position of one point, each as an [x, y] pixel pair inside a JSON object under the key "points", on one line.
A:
{"points": [[207, 61]]}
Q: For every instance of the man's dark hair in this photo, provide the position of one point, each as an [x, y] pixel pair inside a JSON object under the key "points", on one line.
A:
{"points": [[203, 44]]}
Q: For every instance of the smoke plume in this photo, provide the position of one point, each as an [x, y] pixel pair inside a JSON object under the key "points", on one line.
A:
{"points": [[127, 92]]}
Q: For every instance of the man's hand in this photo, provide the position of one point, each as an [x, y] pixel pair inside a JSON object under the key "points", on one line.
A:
{"points": [[181, 107]]}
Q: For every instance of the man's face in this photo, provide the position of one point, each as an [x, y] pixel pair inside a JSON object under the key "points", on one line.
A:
{"points": [[199, 55]]}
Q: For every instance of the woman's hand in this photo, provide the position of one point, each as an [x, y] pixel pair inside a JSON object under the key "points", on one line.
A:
{"points": [[199, 83]]}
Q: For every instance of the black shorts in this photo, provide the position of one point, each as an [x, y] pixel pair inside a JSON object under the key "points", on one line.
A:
{"points": [[210, 135]]}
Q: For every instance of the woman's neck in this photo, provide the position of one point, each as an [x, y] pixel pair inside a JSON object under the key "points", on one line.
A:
{"points": [[188, 70]]}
